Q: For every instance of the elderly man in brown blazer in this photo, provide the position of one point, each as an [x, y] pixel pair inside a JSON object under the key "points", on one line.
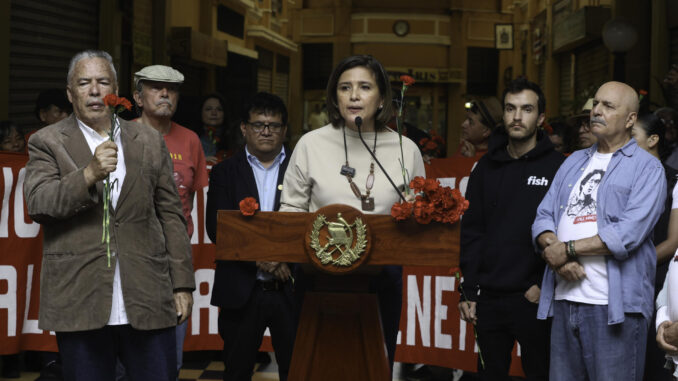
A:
{"points": [[127, 310]]}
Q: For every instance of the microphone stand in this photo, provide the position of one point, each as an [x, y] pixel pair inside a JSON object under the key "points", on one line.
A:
{"points": [[359, 123]]}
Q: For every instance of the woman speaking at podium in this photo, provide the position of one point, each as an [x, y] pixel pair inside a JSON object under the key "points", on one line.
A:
{"points": [[331, 165]]}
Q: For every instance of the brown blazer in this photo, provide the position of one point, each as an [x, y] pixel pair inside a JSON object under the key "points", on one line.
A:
{"points": [[148, 231]]}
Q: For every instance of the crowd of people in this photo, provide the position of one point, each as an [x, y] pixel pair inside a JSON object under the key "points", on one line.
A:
{"points": [[565, 254]]}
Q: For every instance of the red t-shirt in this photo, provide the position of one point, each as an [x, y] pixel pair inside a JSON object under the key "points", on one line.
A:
{"points": [[190, 168]]}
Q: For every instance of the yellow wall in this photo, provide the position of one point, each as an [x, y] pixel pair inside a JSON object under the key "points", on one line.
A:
{"points": [[184, 13]]}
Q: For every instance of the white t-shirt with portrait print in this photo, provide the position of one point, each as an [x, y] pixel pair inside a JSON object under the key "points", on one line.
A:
{"points": [[580, 221]]}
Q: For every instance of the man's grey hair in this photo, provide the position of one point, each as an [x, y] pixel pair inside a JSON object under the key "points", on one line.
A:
{"points": [[91, 54]]}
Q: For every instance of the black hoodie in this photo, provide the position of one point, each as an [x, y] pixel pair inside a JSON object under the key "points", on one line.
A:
{"points": [[497, 254]]}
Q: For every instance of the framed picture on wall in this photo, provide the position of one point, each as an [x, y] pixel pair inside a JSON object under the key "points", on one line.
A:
{"points": [[503, 36]]}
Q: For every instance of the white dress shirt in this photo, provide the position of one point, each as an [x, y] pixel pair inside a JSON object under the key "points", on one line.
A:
{"points": [[118, 313]]}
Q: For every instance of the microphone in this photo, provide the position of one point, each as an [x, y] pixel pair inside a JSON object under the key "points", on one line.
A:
{"points": [[359, 123]]}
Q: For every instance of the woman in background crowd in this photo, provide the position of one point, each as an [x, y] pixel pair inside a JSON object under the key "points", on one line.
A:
{"points": [[11, 138], [649, 132], [218, 142]]}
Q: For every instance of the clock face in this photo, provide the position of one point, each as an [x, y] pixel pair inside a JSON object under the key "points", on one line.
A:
{"points": [[401, 28]]}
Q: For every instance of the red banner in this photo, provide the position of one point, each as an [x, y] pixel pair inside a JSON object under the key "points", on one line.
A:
{"points": [[430, 329]]}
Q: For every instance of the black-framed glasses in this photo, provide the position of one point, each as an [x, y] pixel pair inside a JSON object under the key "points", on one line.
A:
{"points": [[258, 127]]}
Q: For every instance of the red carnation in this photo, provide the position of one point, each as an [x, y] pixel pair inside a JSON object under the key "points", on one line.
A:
{"points": [[430, 185], [126, 104], [401, 211], [114, 101], [248, 206], [407, 80], [417, 184], [111, 100], [423, 211]]}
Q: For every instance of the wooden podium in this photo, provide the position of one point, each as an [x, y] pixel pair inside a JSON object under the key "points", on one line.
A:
{"points": [[339, 336]]}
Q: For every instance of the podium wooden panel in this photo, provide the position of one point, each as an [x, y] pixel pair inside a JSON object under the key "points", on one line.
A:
{"points": [[339, 336], [279, 236]]}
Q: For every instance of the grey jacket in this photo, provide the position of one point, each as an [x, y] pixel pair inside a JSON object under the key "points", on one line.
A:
{"points": [[148, 231]]}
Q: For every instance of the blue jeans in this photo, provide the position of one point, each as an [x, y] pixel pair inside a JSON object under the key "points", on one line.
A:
{"points": [[585, 347]]}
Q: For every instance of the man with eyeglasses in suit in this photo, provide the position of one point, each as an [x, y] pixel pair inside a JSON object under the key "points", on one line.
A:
{"points": [[253, 296]]}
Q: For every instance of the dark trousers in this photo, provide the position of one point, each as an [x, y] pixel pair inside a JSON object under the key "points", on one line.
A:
{"points": [[242, 331], [91, 355], [389, 288], [503, 319]]}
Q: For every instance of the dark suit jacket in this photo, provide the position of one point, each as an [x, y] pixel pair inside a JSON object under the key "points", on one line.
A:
{"points": [[231, 181], [148, 231]]}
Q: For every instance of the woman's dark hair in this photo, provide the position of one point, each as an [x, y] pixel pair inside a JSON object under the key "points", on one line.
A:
{"points": [[380, 76], [652, 125]]}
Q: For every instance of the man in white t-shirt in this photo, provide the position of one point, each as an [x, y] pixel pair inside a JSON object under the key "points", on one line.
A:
{"points": [[595, 228]]}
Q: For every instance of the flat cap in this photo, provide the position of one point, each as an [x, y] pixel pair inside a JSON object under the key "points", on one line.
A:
{"points": [[159, 73]]}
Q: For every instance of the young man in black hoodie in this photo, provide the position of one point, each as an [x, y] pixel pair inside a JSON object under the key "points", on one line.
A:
{"points": [[502, 273]]}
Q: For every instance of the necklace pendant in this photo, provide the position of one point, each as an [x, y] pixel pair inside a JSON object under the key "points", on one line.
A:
{"points": [[367, 203], [347, 171], [370, 181]]}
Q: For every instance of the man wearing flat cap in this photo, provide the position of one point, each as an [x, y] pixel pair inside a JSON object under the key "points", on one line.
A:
{"points": [[157, 95], [482, 117], [123, 306]]}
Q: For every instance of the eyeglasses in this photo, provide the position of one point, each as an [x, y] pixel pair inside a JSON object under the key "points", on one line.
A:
{"points": [[585, 123], [258, 127]]}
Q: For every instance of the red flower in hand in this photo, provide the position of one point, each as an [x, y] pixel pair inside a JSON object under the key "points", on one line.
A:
{"points": [[114, 101], [407, 80], [248, 206], [401, 211]]}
